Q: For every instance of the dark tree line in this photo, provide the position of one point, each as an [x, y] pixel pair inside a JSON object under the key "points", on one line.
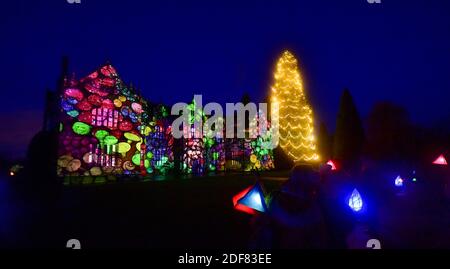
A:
{"points": [[349, 135], [387, 134]]}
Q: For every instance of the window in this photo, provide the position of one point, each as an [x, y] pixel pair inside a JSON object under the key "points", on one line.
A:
{"points": [[105, 117]]}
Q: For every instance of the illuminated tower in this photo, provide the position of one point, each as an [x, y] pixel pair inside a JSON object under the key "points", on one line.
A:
{"points": [[296, 124]]}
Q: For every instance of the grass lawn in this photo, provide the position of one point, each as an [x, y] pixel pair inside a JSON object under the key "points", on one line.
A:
{"points": [[178, 213]]}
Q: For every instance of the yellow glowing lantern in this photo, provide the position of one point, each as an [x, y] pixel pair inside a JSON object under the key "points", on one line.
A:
{"points": [[117, 103], [64, 160], [73, 165], [257, 164], [132, 137], [123, 148], [147, 130], [96, 171]]}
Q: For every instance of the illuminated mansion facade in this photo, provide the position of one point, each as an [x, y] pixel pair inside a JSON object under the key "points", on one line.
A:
{"points": [[107, 128]]}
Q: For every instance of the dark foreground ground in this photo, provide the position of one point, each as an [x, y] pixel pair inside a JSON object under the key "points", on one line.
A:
{"points": [[183, 213]]}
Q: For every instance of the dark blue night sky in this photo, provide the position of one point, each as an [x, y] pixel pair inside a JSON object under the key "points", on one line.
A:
{"points": [[398, 50]]}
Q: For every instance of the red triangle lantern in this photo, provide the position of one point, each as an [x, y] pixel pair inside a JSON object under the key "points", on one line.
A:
{"points": [[440, 160], [333, 165]]}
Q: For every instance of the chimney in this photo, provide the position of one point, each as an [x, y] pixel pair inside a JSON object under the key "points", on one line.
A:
{"points": [[63, 76]]}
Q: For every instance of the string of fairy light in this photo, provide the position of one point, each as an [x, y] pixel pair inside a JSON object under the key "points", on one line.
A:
{"points": [[295, 116]]}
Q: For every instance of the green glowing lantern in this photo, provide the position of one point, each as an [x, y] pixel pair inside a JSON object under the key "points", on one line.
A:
{"points": [[212, 167], [110, 140], [149, 155], [136, 159], [164, 112], [132, 137], [209, 142], [73, 113], [123, 148], [266, 145], [81, 128], [101, 134], [147, 130], [96, 171], [146, 163]]}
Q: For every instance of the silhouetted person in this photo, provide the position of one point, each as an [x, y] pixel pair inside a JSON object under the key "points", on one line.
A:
{"points": [[42, 191], [336, 213], [296, 214]]}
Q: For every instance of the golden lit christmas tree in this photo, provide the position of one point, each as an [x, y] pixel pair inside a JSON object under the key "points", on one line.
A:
{"points": [[296, 125]]}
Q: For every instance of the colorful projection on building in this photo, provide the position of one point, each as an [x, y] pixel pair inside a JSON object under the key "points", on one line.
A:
{"points": [[159, 144], [215, 151], [194, 151], [107, 128], [260, 152]]}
